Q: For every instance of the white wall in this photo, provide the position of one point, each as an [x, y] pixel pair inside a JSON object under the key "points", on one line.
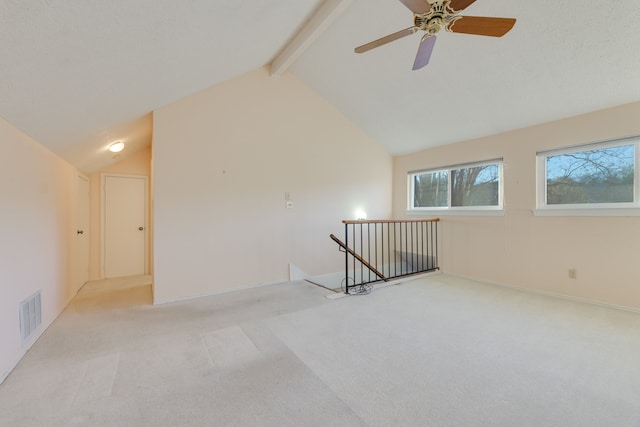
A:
{"points": [[223, 160], [536, 252], [37, 194]]}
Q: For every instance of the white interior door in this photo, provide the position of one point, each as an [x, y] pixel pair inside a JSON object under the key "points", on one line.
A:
{"points": [[124, 225], [81, 240]]}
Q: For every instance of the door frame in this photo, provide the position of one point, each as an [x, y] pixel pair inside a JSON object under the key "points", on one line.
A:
{"points": [[87, 232], [103, 209]]}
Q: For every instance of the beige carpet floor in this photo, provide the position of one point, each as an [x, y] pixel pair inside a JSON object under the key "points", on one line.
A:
{"points": [[438, 351]]}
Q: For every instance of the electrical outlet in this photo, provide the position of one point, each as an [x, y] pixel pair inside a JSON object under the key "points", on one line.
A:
{"points": [[573, 273], [289, 204]]}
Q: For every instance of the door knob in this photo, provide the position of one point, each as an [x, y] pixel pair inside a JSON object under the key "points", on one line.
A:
{"points": [[140, 228], [80, 232]]}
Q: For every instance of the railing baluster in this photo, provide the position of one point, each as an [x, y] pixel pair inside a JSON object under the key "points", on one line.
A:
{"points": [[382, 247], [353, 232], [432, 245], [375, 233], [419, 250], [395, 249], [346, 258], [406, 244], [369, 246], [433, 254], [389, 247], [414, 265], [430, 251], [360, 251], [422, 246], [428, 257], [437, 265], [401, 255]]}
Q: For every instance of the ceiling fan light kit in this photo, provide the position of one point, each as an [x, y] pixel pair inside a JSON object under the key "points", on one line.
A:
{"points": [[433, 17]]}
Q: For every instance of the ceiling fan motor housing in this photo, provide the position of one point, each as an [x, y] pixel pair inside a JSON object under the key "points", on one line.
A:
{"points": [[434, 20]]}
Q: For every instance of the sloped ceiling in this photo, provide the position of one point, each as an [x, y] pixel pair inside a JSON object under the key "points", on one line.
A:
{"points": [[561, 59], [77, 75]]}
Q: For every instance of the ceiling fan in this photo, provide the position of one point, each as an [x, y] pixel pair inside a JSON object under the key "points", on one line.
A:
{"points": [[432, 17]]}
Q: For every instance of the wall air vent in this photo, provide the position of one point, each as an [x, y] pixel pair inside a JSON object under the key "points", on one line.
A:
{"points": [[30, 316]]}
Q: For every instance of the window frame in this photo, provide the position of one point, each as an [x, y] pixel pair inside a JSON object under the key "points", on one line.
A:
{"points": [[587, 209], [456, 210]]}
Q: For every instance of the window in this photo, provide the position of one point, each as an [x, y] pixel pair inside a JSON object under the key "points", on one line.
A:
{"points": [[431, 189], [464, 187], [594, 176]]}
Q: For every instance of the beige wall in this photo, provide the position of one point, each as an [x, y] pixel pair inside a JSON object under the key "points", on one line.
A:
{"points": [[37, 196], [223, 161], [136, 164], [521, 249]]}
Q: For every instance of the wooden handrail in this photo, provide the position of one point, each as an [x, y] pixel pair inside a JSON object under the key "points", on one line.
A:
{"points": [[358, 257], [388, 221]]}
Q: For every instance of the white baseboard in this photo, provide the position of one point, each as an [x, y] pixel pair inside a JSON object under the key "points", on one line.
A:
{"points": [[6, 374], [329, 281], [547, 293], [220, 292]]}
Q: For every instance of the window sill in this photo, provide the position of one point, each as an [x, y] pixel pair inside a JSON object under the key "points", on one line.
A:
{"points": [[456, 212], [588, 212]]}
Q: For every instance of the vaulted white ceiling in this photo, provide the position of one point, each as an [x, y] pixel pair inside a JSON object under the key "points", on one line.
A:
{"points": [[77, 75]]}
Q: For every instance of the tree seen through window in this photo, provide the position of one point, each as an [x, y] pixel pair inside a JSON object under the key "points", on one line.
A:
{"points": [[473, 186], [603, 175]]}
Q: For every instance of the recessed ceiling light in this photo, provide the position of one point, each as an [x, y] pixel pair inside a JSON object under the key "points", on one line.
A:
{"points": [[116, 147]]}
